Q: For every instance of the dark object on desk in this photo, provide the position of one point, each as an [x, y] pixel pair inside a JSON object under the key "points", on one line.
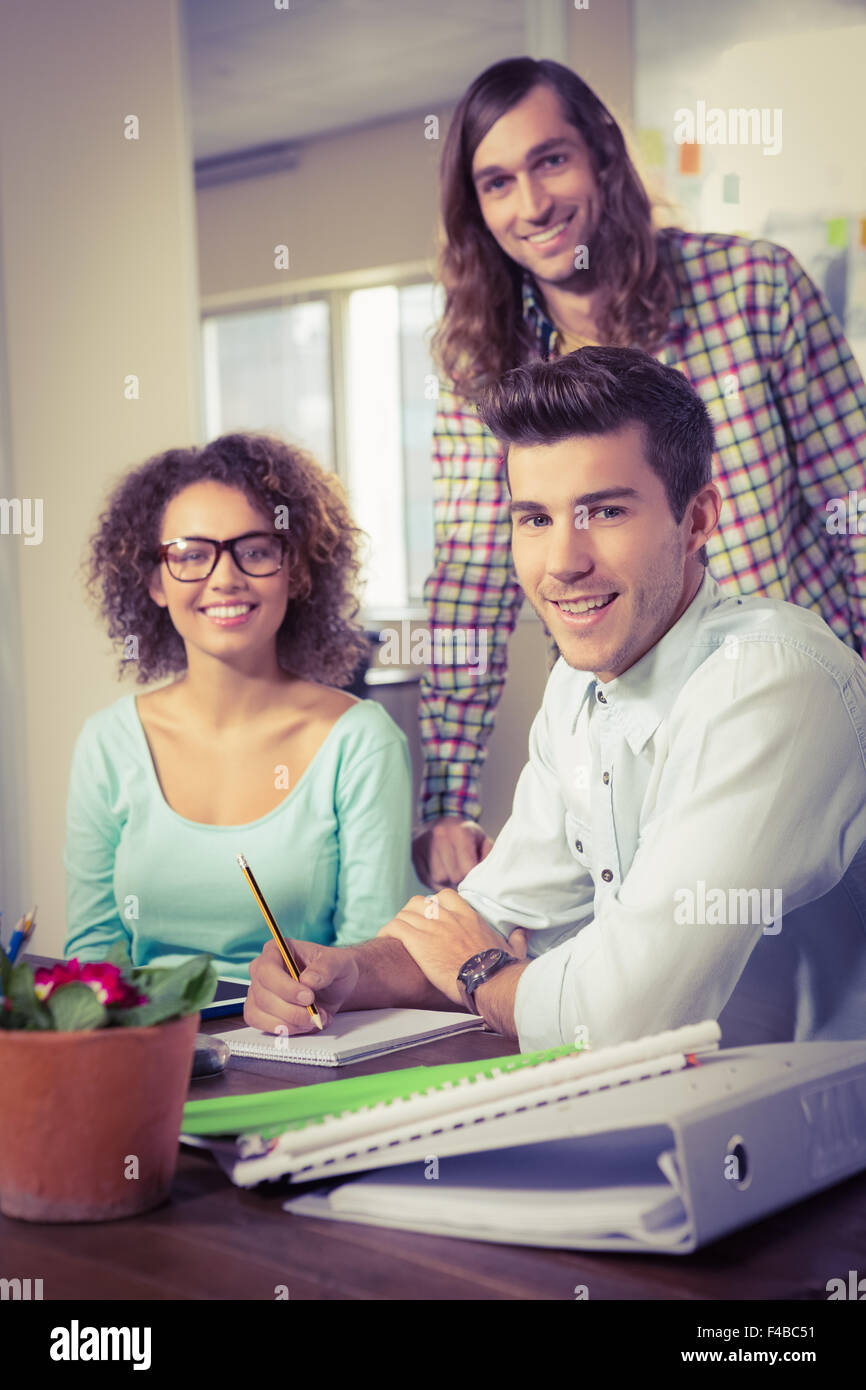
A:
{"points": [[210, 1056], [230, 997]]}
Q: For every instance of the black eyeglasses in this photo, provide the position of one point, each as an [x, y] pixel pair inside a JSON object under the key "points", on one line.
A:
{"points": [[190, 558]]}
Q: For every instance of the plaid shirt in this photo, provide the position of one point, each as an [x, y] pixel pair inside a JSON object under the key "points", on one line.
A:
{"points": [[762, 348]]}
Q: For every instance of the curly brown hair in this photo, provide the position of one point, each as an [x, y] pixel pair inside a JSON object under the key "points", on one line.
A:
{"points": [[318, 638], [482, 333]]}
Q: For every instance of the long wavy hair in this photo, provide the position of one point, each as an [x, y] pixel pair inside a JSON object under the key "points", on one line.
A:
{"points": [[318, 638], [482, 332]]}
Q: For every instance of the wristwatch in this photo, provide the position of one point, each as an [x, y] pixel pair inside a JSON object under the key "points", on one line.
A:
{"points": [[480, 968]]}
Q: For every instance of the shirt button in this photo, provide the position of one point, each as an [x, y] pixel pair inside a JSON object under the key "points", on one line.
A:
{"points": [[578, 845], [600, 697], [606, 778], [606, 875]]}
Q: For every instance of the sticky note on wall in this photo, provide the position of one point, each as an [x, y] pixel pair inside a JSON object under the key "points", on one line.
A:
{"points": [[690, 159], [731, 188], [651, 146], [837, 231]]}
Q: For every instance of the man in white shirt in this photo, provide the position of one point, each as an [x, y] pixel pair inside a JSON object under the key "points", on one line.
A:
{"points": [[688, 838]]}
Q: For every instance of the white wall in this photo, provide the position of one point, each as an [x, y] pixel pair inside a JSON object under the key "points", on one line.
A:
{"points": [[99, 280], [357, 200]]}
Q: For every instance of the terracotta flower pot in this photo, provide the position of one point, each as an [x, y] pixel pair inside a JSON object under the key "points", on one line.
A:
{"points": [[90, 1120]]}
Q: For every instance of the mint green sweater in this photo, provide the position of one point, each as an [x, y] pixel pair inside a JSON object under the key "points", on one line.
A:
{"points": [[332, 859]]}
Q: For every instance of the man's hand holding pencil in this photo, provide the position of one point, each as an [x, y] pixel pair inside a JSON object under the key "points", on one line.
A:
{"points": [[284, 976], [299, 985], [276, 1003]]}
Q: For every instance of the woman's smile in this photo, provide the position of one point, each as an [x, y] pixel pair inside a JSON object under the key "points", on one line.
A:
{"points": [[229, 614]]}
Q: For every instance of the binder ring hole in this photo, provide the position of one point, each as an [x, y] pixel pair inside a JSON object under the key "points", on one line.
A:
{"points": [[737, 1169]]}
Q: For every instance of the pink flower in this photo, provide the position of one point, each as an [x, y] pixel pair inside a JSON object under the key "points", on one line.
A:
{"points": [[46, 981], [105, 981]]}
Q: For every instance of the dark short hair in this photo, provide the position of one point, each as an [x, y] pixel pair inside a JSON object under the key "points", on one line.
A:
{"points": [[599, 390]]}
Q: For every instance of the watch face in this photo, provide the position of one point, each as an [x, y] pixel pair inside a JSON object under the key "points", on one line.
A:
{"points": [[488, 958], [473, 971], [483, 959]]}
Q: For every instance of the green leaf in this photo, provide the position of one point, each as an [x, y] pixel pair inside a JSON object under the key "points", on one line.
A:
{"points": [[28, 1011], [202, 988], [119, 956], [21, 991], [5, 971], [74, 1007], [172, 992], [143, 977]]}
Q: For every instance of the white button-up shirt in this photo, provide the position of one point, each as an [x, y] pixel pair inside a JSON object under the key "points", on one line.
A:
{"points": [[688, 841]]}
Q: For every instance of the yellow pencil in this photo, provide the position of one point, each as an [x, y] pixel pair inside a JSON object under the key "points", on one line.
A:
{"points": [[282, 944]]}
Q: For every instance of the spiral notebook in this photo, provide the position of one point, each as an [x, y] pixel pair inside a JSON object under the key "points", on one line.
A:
{"points": [[352, 1037]]}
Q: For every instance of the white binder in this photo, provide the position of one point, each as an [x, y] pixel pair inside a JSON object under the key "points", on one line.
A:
{"points": [[665, 1165]]}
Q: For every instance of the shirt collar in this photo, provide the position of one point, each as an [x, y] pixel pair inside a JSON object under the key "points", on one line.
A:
{"points": [[639, 699], [683, 315], [537, 318]]}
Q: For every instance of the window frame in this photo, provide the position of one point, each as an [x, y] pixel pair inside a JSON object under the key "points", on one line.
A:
{"points": [[335, 291]]}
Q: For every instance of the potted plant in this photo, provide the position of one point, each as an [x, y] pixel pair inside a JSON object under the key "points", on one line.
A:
{"points": [[95, 1063]]}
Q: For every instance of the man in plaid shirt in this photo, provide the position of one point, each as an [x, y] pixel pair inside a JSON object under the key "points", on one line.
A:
{"points": [[550, 246]]}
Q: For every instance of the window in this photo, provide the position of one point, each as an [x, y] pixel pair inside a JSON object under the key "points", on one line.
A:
{"points": [[269, 369], [347, 374]]}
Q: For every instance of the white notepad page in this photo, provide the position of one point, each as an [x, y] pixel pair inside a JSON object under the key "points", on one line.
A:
{"points": [[352, 1036]]}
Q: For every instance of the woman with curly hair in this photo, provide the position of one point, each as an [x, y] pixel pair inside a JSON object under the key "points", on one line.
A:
{"points": [[231, 569]]}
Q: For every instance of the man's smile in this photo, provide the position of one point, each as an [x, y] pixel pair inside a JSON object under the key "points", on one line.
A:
{"points": [[549, 234], [586, 610]]}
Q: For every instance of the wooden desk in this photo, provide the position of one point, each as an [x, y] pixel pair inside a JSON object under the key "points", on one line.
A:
{"points": [[214, 1241]]}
